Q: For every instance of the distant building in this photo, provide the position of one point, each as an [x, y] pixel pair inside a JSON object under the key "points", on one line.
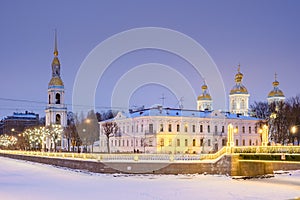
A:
{"points": [[275, 95], [18, 122]]}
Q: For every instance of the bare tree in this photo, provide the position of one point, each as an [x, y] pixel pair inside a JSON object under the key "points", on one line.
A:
{"points": [[109, 130]]}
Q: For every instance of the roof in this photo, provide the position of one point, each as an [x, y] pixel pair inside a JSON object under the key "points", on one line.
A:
{"points": [[173, 112]]}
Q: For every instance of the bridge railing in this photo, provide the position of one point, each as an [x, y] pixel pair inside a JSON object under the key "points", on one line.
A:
{"points": [[266, 149]]}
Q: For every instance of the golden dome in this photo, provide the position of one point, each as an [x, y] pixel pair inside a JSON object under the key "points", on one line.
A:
{"points": [[275, 83], [204, 87], [239, 89], [276, 93], [238, 77], [56, 81], [204, 97]]}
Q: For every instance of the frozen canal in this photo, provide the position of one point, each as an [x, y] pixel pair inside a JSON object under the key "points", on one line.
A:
{"points": [[26, 180]]}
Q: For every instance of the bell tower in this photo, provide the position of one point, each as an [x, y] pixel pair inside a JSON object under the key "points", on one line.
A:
{"points": [[56, 110]]}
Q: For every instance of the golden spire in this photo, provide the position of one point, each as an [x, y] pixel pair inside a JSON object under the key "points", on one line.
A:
{"points": [[275, 83], [239, 75], [204, 86], [55, 45]]}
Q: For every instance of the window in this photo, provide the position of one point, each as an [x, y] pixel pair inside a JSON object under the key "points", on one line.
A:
{"points": [[132, 143], [236, 142], [243, 104], [255, 129], [137, 128], [57, 98], [194, 142], [49, 99], [208, 142], [57, 119], [119, 143], [185, 128], [250, 142], [249, 129], [161, 128], [128, 143], [123, 143], [194, 128], [243, 129], [223, 129], [208, 128], [112, 143], [116, 143], [201, 128], [186, 142], [162, 142], [216, 129], [142, 127], [244, 142], [178, 143], [142, 142], [170, 128], [150, 128], [170, 142], [223, 142], [178, 128], [201, 142]]}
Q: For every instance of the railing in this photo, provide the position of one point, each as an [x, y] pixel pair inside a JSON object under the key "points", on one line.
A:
{"points": [[163, 157]]}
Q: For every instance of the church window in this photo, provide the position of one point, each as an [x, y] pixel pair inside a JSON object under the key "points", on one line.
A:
{"points": [[236, 142], [57, 119], [185, 128], [194, 142], [208, 128], [244, 143], [57, 98], [178, 143], [223, 129], [233, 105], [216, 129], [161, 129], [243, 104], [243, 129], [201, 128], [250, 142], [150, 128], [208, 142], [223, 142], [186, 142], [194, 128], [142, 127], [249, 129], [201, 142], [170, 128], [178, 128], [49, 99]]}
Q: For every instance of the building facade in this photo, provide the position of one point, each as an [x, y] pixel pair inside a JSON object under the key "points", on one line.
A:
{"points": [[18, 122], [168, 130], [165, 130]]}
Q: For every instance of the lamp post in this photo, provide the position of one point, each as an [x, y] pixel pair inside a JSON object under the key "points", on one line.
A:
{"points": [[264, 135], [294, 130]]}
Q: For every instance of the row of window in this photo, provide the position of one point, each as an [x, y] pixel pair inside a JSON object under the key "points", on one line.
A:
{"points": [[185, 128], [179, 142]]}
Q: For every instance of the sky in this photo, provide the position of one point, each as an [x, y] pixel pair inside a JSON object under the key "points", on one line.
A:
{"points": [[263, 36]]}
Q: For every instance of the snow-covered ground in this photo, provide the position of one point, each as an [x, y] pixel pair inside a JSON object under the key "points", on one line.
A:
{"points": [[26, 180]]}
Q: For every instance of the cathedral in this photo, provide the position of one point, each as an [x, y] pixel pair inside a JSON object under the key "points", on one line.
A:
{"points": [[203, 130], [56, 110]]}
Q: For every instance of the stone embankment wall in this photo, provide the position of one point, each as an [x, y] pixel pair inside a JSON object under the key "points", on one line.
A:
{"points": [[227, 165]]}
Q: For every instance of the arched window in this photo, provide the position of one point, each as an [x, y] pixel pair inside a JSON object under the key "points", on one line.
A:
{"points": [[233, 105], [57, 119], [49, 99], [57, 98], [243, 104]]}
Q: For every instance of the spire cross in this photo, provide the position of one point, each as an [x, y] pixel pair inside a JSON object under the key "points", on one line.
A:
{"points": [[239, 67], [275, 76], [55, 44], [163, 99]]}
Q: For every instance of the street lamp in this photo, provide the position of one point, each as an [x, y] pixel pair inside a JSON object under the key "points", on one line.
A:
{"points": [[294, 130]]}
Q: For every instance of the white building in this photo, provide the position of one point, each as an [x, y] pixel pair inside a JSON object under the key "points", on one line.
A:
{"points": [[168, 130]]}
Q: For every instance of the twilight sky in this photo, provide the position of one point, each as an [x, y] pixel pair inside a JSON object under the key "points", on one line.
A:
{"points": [[263, 36]]}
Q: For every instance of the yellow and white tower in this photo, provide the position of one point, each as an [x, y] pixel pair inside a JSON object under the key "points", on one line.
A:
{"points": [[56, 110], [239, 96], [204, 101], [276, 95]]}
